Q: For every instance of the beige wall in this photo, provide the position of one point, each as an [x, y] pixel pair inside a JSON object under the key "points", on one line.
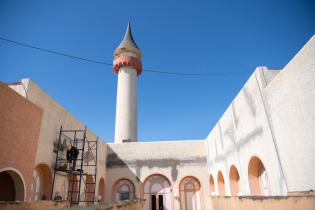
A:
{"points": [[55, 116], [20, 126], [40, 205], [263, 203], [173, 159]]}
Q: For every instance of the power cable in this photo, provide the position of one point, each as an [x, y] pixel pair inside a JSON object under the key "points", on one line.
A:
{"points": [[110, 64], [54, 52]]}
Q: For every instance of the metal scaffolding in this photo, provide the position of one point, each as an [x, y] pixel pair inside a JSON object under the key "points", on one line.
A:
{"points": [[81, 177]]}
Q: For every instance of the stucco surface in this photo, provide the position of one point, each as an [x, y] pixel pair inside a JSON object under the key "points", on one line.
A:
{"points": [[272, 118], [126, 128], [242, 133], [291, 100], [263, 203], [53, 117], [20, 126], [173, 159]]}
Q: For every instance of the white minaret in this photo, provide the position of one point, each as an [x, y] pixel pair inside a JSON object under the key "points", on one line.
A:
{"points": [[127, 64]]}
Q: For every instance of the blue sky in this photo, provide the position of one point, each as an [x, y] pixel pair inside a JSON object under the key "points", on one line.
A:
{"points": [[175, 36]]}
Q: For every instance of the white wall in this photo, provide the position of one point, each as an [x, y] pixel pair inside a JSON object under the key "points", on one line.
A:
{"points": [[291, 106], [241, 133], [272, 118]]}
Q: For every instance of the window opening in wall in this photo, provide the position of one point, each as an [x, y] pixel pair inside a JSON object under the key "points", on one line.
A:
{"points": [[234, 181], [123, 189], [264, 181], [157, 192], [258, 178], [124, 196], [221, 184], [36, 186], [190, 194]]}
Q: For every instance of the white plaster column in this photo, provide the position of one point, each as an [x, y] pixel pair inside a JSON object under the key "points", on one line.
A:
{"points": [[126, 107]]}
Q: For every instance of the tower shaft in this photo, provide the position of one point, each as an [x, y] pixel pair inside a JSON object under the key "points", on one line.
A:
{"points": [[127, 65], [126, 107]]}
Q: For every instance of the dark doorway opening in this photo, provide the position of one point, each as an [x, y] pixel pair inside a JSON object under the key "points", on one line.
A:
{"points": [[161, 202], [7, 189], [157, 202], [153, 202]]}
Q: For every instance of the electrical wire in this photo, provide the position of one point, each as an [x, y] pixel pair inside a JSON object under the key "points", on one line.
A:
{"points": [[110, 64]]}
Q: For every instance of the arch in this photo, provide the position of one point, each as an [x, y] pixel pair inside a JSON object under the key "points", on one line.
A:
{"points": [[221, 184], [211, 181], [101, 190], [89, 192], [12, 185], [258, 177], [123, 189], [64, 188], [73, 188], [42, 183], [157, 191], [190, 194], [234, 181]]}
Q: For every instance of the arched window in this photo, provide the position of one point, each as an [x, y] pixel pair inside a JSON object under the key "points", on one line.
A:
{"points": [[41, 185], [101, 190], [190, 194], [89, 191], [234, 181], [258, 177], [212, 189], [157, 192], [36, 187], [73, 188], [123, 189], [64, 189], [221, 184]]}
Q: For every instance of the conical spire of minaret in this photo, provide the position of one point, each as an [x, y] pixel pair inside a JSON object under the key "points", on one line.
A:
{"points": [[128, 40], [128, 43]]}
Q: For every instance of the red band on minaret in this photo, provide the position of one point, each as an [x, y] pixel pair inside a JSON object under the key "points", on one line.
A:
{"points": [[125, 60]]}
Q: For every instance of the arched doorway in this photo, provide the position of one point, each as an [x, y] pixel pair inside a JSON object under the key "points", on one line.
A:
{"points": [[234, 181], [123, 189], [89, 192], [64, 188], [190, 194], [221, 184], [101, 190], [12, 187], [212, 189], [41, 185], [157, 192], [73, 188], [258, 177]]}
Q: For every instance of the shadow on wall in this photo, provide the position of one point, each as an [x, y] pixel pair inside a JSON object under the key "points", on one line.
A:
{"points": [[125, 177], [114, 161], [122, 181]]}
